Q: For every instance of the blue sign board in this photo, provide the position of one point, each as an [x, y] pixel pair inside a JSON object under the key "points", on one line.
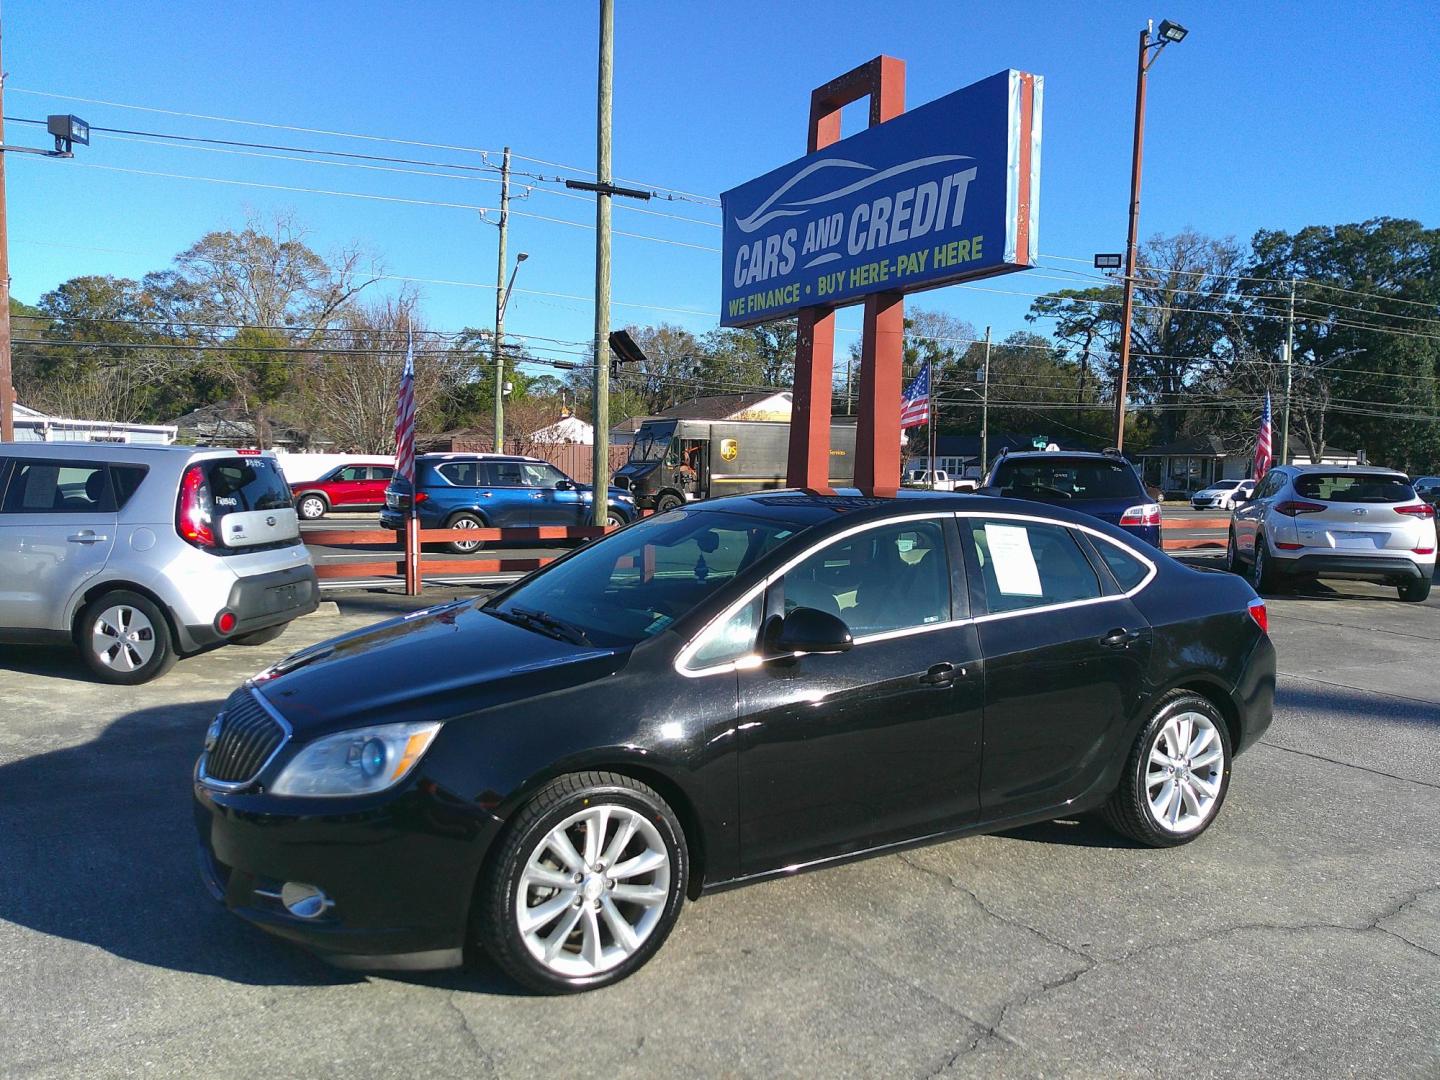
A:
{"points": [[944, 193]]}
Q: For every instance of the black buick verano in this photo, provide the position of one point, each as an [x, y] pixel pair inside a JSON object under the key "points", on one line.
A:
{"points": [[723, 693]]}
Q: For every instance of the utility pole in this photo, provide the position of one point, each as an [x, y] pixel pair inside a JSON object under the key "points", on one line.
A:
{"points": [[498, 342], [600, 479], [1289, 370], [985, 412], [1169, 33], [7, 391]]}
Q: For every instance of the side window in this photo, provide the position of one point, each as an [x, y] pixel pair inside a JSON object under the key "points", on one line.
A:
{"points": [[1025, 564], [506, 474], [59, 487], [126, 479], [731, 639], [352, 472], [1270, 485], [381, 472], [462, 473], [1128, 570], [889, 578]]}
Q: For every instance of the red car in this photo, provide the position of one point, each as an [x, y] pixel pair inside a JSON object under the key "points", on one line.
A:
{"points": [[346, 487]]}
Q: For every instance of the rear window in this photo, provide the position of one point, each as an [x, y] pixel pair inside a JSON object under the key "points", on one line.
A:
{"points": [[126, 480], [462, 473], [243, 484], [1353, 488], [1073, 478]]}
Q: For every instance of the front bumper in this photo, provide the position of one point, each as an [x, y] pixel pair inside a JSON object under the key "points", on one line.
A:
{"points": [[259, 601], [400, 869], [1358, 567]]}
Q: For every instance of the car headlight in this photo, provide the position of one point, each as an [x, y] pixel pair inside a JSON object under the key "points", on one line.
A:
{"points": [[357, 762]]}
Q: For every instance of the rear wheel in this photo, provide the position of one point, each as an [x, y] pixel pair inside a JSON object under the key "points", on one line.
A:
{"points": [[588, 883], [124, 638], [1415, 592], [1176, 776], [1262, 576], [312, 507], [668, 502], [465, 521]]}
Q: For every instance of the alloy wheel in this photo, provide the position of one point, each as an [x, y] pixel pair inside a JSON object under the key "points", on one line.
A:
{"points": [[312, 508], [1184, 773], [464, 545], [123, 638], [593, 890]]}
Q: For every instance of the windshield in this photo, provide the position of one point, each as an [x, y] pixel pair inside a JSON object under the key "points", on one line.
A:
{"points": [[1068, 478], [1353, 488], [629, 587], [651, 442]]}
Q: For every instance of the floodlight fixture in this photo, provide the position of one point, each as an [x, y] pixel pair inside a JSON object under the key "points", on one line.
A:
{"points": [[1172, 32]]}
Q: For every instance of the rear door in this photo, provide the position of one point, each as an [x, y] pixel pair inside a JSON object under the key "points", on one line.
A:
{"points": [[250, 501], [377, 480], [1065, 658], [1356, 515], [57, 529]]}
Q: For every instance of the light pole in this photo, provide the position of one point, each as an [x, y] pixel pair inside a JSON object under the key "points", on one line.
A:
{"points": [[1149, 50], [502, 300]]}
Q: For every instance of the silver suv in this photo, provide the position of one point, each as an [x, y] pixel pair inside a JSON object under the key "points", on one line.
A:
{"points": [[140, 554], [1309, 521]]}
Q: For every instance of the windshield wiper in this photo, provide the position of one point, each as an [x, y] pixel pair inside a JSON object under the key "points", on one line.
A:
{"points": [[545, 624]]}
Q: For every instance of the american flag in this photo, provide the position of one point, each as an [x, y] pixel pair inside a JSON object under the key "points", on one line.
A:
{"points": [[1262, 442], [405, 417], [915, 405]]}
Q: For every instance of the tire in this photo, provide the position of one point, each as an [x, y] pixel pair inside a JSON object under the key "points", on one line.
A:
{"points": [[614, 520], [1415, 592], [531, 875], [1193, 803], [465, 521], [312, 507], [260, 637], [1232, 555], [667, 503], [1262, 577], [124, 638]]}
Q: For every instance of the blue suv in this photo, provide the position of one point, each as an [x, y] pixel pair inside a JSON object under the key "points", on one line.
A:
{"points": [[1105, 486], [494, 491]]}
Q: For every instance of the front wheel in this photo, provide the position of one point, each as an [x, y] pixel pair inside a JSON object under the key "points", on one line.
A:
{"points": [[125, 639], [1176, 776], [312, 508], [1415, 592], [1232, 554], [588, 883], [668, 502]]}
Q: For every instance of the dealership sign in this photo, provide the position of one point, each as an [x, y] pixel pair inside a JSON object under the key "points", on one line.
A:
{"points": [[944, 193]]}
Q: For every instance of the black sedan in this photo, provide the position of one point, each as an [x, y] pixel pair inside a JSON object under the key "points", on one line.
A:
{"points": [[720, 694]]}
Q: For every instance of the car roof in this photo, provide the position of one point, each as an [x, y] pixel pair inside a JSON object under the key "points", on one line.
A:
{"points": [[1368, 470], [459, 456], [1091, 455], [123, 451]]}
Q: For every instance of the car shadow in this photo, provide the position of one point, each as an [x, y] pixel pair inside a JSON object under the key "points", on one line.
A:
{"points": [[59, 661], [98, 846], [1087, 830]]}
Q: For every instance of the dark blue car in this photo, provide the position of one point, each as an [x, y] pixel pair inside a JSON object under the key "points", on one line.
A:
{"points": [[494, 491], [1105, 486]]}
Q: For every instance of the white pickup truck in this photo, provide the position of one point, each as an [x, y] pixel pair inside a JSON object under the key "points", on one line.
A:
{"points": [[920, 478]]}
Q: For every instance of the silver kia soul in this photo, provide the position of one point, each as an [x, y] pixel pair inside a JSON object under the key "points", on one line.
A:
{"points": [[141, 554]]}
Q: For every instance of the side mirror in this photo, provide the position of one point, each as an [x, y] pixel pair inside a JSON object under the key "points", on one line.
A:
{"points": [[808, 630], [564, 485], [1239, 497]]}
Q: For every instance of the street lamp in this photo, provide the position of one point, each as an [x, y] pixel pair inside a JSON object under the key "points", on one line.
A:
{"points": [[1151, 45]]}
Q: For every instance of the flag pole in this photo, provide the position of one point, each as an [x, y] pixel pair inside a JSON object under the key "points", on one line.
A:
{"points": [[934, 392]]}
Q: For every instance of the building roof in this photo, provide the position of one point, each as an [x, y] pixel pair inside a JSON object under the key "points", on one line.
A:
{"points": [[1195, 446]]}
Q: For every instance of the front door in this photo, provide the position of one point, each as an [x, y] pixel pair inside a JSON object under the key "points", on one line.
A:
{"points": [[57, 527], [554, 505], [1065, 657], [349, 487], [856, 749]]}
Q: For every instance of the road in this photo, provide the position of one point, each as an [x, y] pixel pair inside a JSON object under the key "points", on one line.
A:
{"points": [[1299, 937]]}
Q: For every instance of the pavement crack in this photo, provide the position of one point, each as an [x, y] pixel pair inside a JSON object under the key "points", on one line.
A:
{"points": [[1347, 764], [468, 1034]]}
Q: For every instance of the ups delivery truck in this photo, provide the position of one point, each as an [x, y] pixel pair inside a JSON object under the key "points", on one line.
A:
{"points": [[673, 462]]}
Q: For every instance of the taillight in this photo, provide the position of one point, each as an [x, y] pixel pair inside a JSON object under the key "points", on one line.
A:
{"points": [[420, 497], [1291, 508], [1258, 613], [1420, 510], [1144, 514], [192, 515]]}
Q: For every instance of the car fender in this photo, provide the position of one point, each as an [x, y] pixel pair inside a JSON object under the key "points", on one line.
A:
{"points": [[477, 511]]}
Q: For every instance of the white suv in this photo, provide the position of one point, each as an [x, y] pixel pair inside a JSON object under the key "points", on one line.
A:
{"points": [[140, 554], [1309, 521]]}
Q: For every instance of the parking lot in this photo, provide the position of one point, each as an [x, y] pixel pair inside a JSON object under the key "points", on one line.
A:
{"points": [[1298, 937]]}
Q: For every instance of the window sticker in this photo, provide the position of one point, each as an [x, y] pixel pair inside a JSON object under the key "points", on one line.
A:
{"points": [[1015, 569]]}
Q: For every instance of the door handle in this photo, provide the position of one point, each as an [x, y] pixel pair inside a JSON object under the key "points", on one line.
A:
{"points": [[87, 537], [1120, 638], [942, 675], [537, 495]]}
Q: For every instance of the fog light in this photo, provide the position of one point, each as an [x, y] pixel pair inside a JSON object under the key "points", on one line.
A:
{"points": [[303, 901], [225, 622]]}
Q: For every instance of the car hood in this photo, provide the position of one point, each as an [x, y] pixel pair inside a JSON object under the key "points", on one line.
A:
{"points": [[441, 663]]}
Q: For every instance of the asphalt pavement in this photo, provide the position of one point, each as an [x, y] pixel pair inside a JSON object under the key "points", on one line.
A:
{"points": [[1299, 937]]}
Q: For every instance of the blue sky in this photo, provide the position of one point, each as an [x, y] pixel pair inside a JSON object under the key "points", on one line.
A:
{"points": [[1274, 115]]}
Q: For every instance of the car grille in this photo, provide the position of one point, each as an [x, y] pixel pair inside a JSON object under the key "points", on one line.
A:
{"points": [[248, 737]]}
